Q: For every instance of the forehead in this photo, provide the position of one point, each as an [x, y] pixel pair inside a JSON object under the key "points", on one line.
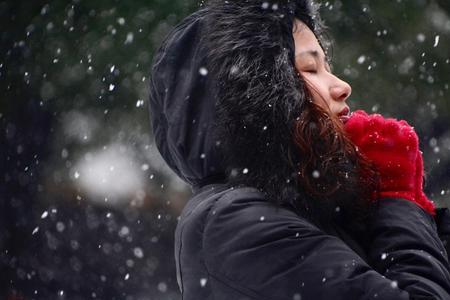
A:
{"points": [[305, 40]]}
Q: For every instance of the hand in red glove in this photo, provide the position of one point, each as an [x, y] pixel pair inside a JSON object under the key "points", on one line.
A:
{"points": [[393, 147]]}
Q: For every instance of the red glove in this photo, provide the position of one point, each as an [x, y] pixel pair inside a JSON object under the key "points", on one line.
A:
{"points": [[393, 147]]}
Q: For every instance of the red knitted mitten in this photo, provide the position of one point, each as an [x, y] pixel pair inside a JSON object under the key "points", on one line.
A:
{"points": [[393, 147]]}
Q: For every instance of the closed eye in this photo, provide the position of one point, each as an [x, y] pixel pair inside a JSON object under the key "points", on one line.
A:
{"points": [[314, 71]]}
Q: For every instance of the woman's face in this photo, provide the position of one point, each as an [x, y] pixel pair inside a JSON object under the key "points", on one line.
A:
{"points": [[326, 89]]}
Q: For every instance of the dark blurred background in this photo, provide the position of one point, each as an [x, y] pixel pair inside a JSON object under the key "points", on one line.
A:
{"points": [[88, 208]]}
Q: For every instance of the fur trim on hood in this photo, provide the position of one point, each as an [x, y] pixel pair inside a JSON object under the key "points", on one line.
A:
{"points": [[259, 93]]}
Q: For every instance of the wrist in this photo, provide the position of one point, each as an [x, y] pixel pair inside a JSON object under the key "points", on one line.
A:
{"points": [[422, 201]]}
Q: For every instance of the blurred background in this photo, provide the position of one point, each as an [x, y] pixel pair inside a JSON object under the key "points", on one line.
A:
{"points": [[88, 208]]}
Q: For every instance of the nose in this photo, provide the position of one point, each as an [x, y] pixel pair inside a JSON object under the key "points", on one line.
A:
{"points": [[340, 90]]}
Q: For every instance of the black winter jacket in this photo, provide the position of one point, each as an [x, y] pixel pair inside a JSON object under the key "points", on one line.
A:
{"points": [[232, 242]]}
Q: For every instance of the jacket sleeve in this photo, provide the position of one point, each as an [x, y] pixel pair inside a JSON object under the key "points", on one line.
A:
{"points": [[263, 252], [443, 227]]}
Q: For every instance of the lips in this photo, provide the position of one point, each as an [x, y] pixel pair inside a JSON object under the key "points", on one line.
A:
{"points": [[344, 115], [344, 119]]}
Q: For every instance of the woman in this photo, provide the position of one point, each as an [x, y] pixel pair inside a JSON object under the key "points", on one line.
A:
{"points": [[245, 109]]}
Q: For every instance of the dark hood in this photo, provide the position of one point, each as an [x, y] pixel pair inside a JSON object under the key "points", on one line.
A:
{"points": [[182, 105], [236, 123], [260, 95]]}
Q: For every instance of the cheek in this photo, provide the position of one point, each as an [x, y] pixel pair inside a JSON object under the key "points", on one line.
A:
{"points": [[317, 89]]}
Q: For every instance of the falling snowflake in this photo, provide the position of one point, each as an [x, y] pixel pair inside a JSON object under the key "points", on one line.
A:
{"points": [[203, 282], [436, 41], [203, 71]]}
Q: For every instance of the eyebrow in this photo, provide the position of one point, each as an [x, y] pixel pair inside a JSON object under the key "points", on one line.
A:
{"points": [[312, 52]]}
